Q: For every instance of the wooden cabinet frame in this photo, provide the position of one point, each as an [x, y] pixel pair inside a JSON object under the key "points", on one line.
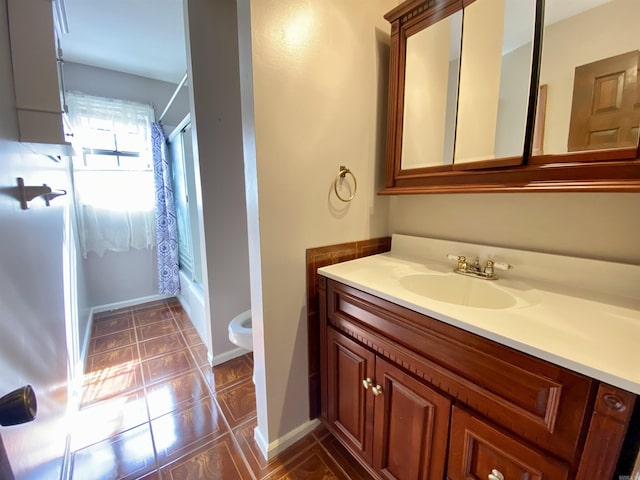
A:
{"points": [[596, 171], [564, 421]]}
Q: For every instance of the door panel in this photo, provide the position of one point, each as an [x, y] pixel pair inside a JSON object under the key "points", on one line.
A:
{"points": [[477, 449], [604, 112], [411, 427], [350, 404]]}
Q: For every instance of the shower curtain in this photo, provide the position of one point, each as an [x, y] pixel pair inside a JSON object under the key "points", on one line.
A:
{"points": [[166, 224]]}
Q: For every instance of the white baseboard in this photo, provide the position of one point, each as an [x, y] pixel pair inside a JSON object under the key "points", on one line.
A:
{"points": [[128, 303], [226, 356], [186, 306], [281, 444]]}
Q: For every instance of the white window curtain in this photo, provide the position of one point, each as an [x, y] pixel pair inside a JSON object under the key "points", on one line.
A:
{"points": [[113, 173]]}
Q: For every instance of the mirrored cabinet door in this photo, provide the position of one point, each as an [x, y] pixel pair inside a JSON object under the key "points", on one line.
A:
{"points": [[495, 73], [430, 94], [589, 72], [460, 91], [423, 86], [513, 95]]}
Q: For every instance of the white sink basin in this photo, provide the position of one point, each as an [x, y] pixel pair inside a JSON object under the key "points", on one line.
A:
{"points": [[459, 290]]}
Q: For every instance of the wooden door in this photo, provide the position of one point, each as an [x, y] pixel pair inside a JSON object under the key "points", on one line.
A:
{"points": [[350, 401], [476, 449], [605, 112], [411, 426]]}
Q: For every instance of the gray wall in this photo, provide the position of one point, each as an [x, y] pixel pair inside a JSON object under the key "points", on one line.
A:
{"points": [[592, 225], [111, 84], [125, 276], [121, 276], [216, 122], [34, 279]]}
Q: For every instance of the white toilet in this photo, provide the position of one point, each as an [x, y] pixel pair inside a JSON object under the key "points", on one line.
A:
{"points": [[240, 331]]}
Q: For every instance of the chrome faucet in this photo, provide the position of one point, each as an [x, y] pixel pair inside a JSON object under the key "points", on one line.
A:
{"points": [[476, 269]]}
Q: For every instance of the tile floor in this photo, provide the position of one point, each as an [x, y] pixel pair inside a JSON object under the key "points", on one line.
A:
{"points": [[153, 408]]}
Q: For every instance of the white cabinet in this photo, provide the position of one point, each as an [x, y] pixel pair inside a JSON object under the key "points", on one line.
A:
{"points": [[37, 73]]}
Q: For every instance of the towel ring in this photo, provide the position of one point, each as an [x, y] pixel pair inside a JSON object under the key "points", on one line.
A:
{"points": [[341, 174]]}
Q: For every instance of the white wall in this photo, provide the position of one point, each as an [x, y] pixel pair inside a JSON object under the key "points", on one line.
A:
{"points": [[35, 290], [212, 40], [320, 84], [33, 347]]}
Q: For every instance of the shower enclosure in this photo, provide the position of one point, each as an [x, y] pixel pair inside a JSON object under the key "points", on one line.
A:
{"points": [[181, 157], [184, 184]]}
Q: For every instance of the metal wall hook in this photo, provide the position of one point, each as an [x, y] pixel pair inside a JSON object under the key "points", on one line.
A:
{"points": [[28, 193], [53, 194]]}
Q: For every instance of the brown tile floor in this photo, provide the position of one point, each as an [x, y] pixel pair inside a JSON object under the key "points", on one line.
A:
{"points": [[152, 408]]}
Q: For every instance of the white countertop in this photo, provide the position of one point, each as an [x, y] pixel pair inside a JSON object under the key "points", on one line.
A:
{"points": [[595, 333]]}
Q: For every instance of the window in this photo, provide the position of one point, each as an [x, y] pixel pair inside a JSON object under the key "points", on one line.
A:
{"points": [[113, 173]]}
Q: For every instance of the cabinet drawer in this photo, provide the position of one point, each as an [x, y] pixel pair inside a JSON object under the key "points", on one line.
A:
{"points": [[477, 450], [534, 399]]}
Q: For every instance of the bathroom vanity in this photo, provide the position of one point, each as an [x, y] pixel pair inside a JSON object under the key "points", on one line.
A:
{"points": [[427, 374]]}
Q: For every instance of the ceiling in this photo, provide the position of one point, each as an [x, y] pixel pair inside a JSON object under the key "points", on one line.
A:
{"points": [[140, 37], [146, 37]]}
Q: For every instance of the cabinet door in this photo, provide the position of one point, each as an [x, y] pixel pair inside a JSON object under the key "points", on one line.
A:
{"points": [[350, 404], [411, 426], [37, 78], [479, 451]]}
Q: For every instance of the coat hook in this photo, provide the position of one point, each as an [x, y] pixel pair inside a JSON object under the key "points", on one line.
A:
{"points": [[29, 193]]}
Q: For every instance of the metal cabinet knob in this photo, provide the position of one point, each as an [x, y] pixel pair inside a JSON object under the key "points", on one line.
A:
{"points": [[366, 383], [495, 475], [614, 402], [377, 390]]}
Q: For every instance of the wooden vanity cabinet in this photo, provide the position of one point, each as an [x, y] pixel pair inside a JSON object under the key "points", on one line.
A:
{"points": [[395, 423], [415, 398]]}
